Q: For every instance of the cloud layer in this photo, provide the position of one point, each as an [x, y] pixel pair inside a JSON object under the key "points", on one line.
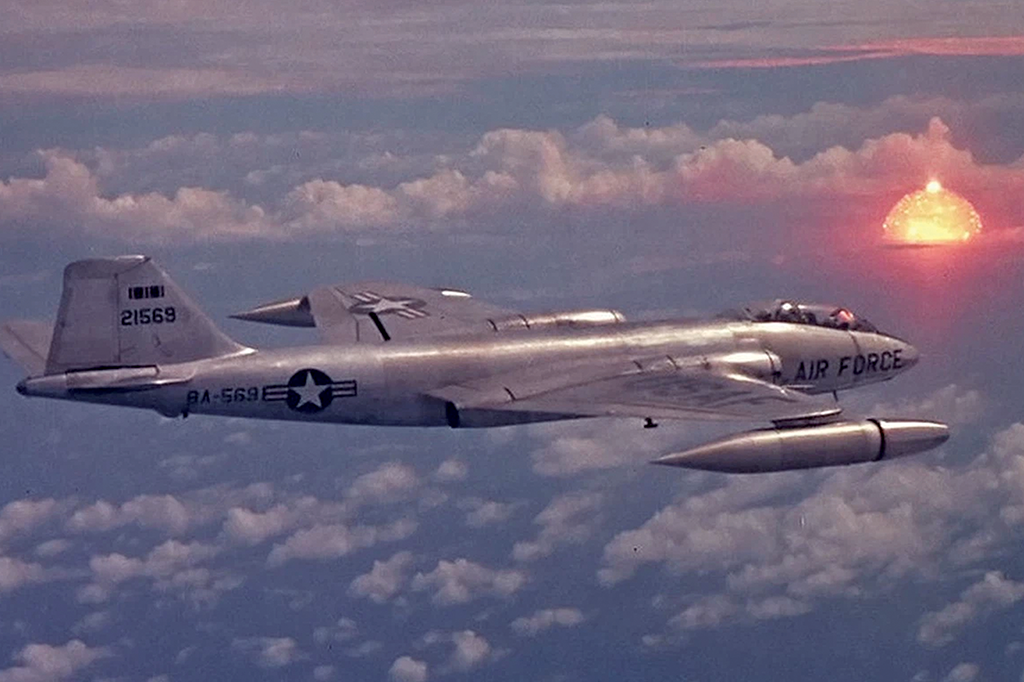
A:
{"points": [[512, 172], [860, 532], [399, 47]]}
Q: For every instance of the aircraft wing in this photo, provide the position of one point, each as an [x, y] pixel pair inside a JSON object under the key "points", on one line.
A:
{"points": [[375, 312], [660, 388]]}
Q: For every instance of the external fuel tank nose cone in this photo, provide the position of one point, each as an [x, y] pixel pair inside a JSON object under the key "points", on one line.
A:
{"points": [[22, 387], [907, 437]]}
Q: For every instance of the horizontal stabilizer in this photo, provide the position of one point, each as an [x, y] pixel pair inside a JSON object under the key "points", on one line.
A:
{"points": [[27, 342]]}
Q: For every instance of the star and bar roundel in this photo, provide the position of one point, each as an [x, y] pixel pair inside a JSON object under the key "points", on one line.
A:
{"points": [[372, 303], [310, 390]]}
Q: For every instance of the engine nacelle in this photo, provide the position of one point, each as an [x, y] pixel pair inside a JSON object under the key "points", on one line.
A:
{"points": [[810, 447], [296, 312], [567, 318], [757, 364]]}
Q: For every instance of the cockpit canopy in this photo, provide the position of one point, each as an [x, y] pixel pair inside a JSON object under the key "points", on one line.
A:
{"points": [[819, 314]]}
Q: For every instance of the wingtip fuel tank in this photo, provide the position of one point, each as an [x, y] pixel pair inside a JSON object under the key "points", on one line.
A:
{"points": [[810, 447]]}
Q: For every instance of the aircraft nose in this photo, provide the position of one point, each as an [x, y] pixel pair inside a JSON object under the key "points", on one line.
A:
{"points": [[909, 356]]}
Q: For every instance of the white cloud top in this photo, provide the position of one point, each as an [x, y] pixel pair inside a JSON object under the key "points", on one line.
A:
{"points": [[407, 669], [461, 581], [600, 166], [991, 594], [46, 663], [545, 619]]}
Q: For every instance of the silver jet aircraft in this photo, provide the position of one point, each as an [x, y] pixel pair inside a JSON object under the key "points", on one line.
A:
{"points": [[397, 355]]}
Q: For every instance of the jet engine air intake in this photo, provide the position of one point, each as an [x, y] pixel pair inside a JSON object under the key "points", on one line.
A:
{"points": [[808, 447]]}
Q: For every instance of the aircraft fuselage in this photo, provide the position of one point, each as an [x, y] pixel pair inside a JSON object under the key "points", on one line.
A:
{"points": [[396, 383]]}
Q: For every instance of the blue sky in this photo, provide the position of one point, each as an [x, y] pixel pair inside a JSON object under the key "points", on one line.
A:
{"points": [[661, 158]]}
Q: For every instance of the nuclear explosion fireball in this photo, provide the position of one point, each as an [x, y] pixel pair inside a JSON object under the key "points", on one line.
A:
{"points": [[933, 215]]}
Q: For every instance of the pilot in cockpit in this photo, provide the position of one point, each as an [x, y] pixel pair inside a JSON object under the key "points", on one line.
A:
{"points": [[820, 315]]}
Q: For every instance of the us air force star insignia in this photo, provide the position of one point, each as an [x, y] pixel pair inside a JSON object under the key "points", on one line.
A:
{"points": [[309, 391], [369, 302]]}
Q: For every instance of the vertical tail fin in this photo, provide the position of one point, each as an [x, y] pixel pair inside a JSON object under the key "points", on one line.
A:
{"points": [[126, 311]]}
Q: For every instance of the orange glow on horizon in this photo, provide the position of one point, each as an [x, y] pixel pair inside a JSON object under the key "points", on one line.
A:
{"points": [[933, 215], [958, 46]]}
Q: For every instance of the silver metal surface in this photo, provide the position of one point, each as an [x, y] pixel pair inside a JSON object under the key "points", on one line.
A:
{"points": [[564, 318], [904, 437], [811, 447], [292, 312], [394, 354]]}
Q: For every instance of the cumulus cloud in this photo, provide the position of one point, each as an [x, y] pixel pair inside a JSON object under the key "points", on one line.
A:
{"points": [[172, 566], [269, 652], [854, 532], [573, 448], [732, 527], [384, 580], [269, 165], [163, 512], [51, 548], [451, 470], [15, 573], [249, 515], [407, 669], [342, 631], [991, 594], [471, 651], [569, 518], [831, 124], [70, 192], [364, 649], [718, 610], [252, 527], [22, 516], [545, 619], [94, 622], [45, 663], [461, 581], [330, 541], [480, 513], [321, 673], [599, 166], [963, 672], [707, 612], [248, 526], [389, 482], [274, 164], [952, 404]]}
